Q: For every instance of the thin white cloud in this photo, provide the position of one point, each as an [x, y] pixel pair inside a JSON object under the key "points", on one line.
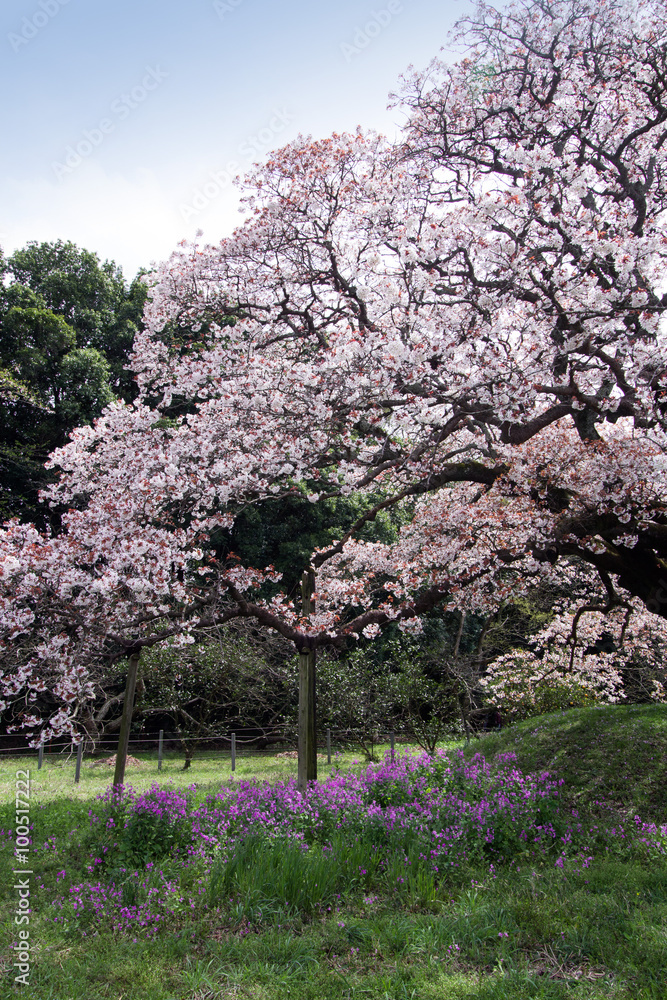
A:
{"points": [[130, 218]]}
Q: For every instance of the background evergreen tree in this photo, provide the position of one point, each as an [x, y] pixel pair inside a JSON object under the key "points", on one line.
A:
{"points": [[67, 323]]}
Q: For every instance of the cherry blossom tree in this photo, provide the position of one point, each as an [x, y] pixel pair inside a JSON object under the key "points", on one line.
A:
{"points": [[465, 325], [71, 605], [570, 662]]}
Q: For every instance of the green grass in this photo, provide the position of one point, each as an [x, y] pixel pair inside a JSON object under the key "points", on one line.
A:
{"points": [[581, 933], [617, 753], [593, 937], [56, 777]]}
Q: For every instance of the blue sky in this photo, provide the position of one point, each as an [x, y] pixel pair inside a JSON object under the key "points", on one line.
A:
{"points": [[121, 120]]}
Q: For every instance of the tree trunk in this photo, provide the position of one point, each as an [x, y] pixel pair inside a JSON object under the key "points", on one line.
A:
{"points": [[126, 722]]}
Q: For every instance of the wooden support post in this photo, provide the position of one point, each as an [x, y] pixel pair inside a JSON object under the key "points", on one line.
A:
{"points": [[126, 721], [233, 751], [40, 757], [79, 755], [393, 742], [307, 770], [160, 743], [307, 721], [328, 746]]}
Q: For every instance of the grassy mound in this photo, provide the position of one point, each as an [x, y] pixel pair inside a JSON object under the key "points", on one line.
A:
{"points": [[589, 925], [613, 753]]}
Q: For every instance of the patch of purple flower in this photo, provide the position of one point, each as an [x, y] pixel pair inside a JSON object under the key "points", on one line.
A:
{"points": [[406, 820]]}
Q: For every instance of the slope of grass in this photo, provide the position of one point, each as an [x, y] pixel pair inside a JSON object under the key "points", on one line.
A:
{"points": [[592, 929], [613, 753]]}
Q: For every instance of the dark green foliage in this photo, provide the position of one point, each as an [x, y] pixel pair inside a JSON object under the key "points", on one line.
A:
{"points": [[92, 297], [284, 531], [67, 323], [414, 686], [214, 685]]}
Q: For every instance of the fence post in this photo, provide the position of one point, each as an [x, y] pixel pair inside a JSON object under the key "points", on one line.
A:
{"points": [[392, 746], [328, 746], [79, 755], [40, 757], [233, 751], [159, 750]]}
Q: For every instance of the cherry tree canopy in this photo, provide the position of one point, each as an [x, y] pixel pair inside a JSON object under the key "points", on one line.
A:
{"points": [[572, 660], [467, 323]]}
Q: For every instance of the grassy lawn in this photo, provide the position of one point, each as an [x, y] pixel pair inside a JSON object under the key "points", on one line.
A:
{"points": [[595, 927], [55, 779]]}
